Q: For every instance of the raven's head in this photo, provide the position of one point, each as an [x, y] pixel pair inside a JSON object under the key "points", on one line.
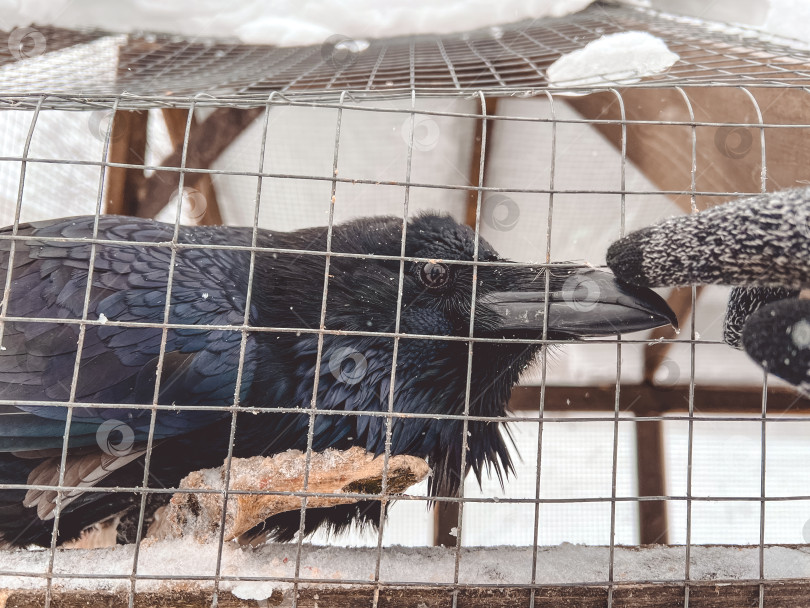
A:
{"points": [[437, 287], [433, 288]]}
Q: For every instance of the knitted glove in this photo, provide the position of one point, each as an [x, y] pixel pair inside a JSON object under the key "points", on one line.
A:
{"points": [[762, 245]]}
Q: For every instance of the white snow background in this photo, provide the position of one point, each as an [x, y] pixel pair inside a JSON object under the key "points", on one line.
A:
{"points": [[281, 22], [291, 23]]}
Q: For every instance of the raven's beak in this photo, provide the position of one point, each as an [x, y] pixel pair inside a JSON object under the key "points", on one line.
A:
{"points": [[588, 303]]}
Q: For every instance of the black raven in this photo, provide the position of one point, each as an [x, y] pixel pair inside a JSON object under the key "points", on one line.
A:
{"points": [[122, 338]]}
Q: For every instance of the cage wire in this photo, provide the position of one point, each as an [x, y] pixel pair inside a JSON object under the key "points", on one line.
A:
{"points": [[393, 129]]}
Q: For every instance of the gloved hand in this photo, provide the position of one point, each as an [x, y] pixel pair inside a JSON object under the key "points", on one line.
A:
{"points": [[761, 245]]}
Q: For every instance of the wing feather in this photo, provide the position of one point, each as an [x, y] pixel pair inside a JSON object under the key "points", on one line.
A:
{"points": [[118, 364]]}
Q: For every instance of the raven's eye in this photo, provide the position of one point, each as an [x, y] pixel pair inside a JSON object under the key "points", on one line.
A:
{"points": [[434, 275]]}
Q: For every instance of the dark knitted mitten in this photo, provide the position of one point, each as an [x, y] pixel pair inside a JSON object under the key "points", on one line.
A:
{"points": [[760, 242], [743, 302], [777, 336]]}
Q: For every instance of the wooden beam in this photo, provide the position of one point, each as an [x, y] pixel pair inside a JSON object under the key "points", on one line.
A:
{"points": [[206, 143], [491, 104], [665, 399], [85, 599], [680, 301], [651, 468], [445, 518], [127, 146], [650, 457], [728, 158], [176, 120], [703, 594], [445, 515]]}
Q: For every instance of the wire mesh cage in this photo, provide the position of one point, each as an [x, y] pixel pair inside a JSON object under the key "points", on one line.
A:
{"points": [[655, 439]]}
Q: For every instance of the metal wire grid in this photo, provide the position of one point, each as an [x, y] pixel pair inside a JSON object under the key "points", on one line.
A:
{"points": [[346, 104], [245, 329], [507, 60], [165, 66]]}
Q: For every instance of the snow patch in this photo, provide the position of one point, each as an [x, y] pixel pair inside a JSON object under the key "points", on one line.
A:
{"points": [[253, 590], [502, 566], [785, 23], [281, 22], [789, 18], [623, 58]]}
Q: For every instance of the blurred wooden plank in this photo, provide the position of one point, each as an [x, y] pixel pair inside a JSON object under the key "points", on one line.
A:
{"points": [[445, 518], [651, 468], [176, 120], [728, 158], [127, 146], [680, 301], [650, 457], [206, 143], [491, 105], [105, 599], [665, 399], [445, 515], [793, 593]]}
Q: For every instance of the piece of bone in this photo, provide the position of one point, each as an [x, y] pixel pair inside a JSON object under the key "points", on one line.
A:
{"points": [[334, 472]]}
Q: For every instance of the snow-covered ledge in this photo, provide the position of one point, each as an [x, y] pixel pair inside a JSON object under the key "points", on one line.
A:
{"points": [[181, 573]]}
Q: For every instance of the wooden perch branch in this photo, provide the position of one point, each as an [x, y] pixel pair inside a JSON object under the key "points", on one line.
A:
{"points": [[127, 145], [176, 120], [330, 472], [206, 142]]}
